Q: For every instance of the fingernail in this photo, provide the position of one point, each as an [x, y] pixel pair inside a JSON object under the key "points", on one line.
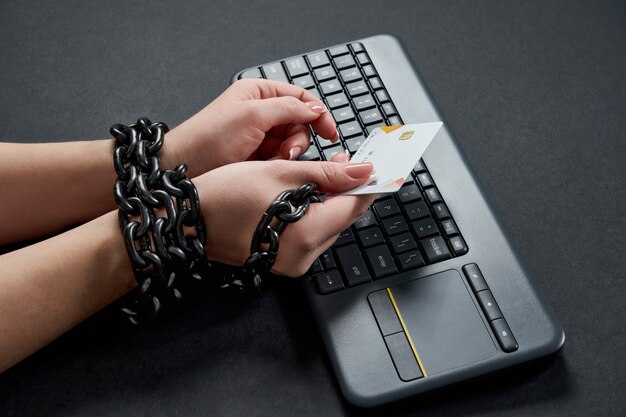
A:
{"points": [[347, 152], [359, 170], [335, 138], [316, 106], [294, 152]]}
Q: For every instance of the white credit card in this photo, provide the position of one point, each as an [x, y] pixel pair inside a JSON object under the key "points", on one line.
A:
{"points": [[394, 151]]}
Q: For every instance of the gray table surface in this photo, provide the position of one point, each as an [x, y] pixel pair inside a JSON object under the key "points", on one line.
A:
{"points": [[536, 93]]}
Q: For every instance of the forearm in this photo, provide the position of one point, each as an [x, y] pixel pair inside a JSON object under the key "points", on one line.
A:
{"points": [[47, 187], [49, 287]]}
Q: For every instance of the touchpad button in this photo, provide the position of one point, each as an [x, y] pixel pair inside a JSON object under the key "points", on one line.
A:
{"points": [[442, 322]]}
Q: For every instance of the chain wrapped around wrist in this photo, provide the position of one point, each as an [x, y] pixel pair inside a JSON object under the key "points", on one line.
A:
{"points": [[289, 207], [164, 232], [159, 214]]}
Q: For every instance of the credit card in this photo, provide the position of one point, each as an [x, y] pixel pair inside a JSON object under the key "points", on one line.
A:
{"points": [[394, 151]]}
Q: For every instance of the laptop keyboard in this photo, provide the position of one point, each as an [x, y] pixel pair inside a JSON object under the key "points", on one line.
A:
{"points": [[402, 231]]}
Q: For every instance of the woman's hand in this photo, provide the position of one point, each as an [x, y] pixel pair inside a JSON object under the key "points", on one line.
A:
{"points": [[253, 119], [234, 198]]}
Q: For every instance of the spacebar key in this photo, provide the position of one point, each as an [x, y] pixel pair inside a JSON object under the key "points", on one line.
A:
{"points": [[353, 265]]}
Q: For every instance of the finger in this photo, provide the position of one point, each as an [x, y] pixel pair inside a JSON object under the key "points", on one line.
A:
{"points": [[278, 111], [335, 215], [341, 157], [297, 142], [331, 177], [263, 89], [318, 230], [326, 127]]}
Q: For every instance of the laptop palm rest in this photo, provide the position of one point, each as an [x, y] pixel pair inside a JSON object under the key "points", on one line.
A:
{"points": [[442, 323]]}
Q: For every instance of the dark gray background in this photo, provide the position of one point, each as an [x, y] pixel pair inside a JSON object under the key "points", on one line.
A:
{"points": [[536, 93]]}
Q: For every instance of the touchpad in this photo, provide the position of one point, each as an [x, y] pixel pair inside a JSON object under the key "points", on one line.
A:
{"points": [[442, 322]]}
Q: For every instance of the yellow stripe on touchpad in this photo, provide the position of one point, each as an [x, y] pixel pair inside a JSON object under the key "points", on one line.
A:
{"points": [[406, 332]]}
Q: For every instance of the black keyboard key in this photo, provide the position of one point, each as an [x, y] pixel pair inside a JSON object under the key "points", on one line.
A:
{"points": [[441, 211], [325, 143], [357, 47], [328, 282], [489, 305], [330, 87], [315, 92], [337, 100], [382, 96], [394, 225], [304, 82], [387, 208], [330, 152], [350, 75], [275, 72], [351, 129], [364, 102], [425, 180], [458, 245], [419, 167], [435, 249], [345, 237], [328, 260], [425, 227], [357, 88], [432, 195], [316, 267], [251, 73], [395, 121], [417, 210], [338, 50], [381, 261], [369, 129], [371, 116], [312, 154], [355, 143], [475, 277], [449, 228], [410, 260], [353, 265], [363, 58], [370, 237], [296, 67], [389, 109], [366, 220], [318, 59], [369, 71], [345, 61], [343, 114], [375, 83], [402, 243], [409, 193], [324, 73], [503, 334]]}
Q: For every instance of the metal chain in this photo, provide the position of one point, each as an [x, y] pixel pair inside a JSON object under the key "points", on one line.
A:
{"points": [[156, 207], [289, 207]]}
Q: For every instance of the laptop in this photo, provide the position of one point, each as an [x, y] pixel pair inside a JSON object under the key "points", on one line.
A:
{"points": [[424, 290]]}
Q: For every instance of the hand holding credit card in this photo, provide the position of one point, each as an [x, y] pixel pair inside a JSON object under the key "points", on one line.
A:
{"points": [[394, 151]]}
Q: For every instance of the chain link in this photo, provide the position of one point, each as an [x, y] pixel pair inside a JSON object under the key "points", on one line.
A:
{"points": [[289, 207], [156, 208], [164, 232]]}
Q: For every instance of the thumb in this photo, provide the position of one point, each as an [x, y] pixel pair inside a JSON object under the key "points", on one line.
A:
{"points": [[332, 177], [277, 111]]}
